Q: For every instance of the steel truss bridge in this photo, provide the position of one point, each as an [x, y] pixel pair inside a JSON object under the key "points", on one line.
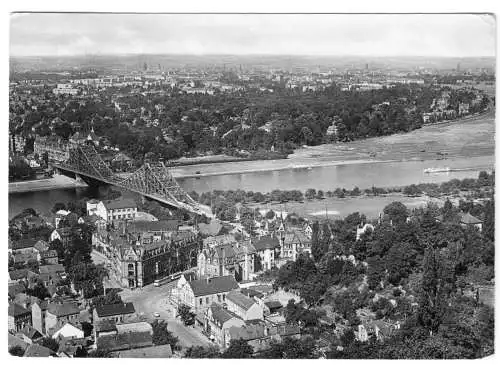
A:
{"points": [[151, 180]]}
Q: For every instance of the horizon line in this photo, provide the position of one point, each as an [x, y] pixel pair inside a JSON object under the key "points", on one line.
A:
{"points": [[247, 54]]}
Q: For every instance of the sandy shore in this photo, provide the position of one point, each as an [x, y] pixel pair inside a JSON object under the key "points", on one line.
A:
{"points": [[56, 182], [242, 170]]}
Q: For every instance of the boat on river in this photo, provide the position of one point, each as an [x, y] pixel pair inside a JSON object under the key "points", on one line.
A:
{"points": [[436, 170]]}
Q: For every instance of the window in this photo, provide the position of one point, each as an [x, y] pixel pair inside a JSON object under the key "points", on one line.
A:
{"points": [[206, 300], [201, 301], [218, 297]]}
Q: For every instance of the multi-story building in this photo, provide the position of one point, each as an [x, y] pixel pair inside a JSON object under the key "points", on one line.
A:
{"points": [[139, 259], [38, 312], [267, 249], [60, 313], [112, 210], [217, 321], [18, 317], [65, 89], [57, 150], [200, 294], [293, 242], [234, 258]]}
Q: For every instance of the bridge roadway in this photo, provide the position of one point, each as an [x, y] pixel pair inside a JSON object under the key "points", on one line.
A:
{"points": [[195, 208]]}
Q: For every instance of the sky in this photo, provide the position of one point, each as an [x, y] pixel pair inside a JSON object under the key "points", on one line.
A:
{"points": [[444, 35]]}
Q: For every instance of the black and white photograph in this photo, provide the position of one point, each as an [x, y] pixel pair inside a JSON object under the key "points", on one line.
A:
{"points": [[251, 185]]}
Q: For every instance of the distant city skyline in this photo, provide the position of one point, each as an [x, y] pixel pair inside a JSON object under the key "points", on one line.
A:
{"points": [[370, 35]]}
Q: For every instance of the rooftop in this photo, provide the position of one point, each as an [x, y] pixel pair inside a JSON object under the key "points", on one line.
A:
{"points": [[115, 309], [467, 218], [62, 309], [35, 350], [220, 284], [51, 269], [153, 226], [162, 351], [134, 327], [120, 204], [220, 314], [105, 326], [265, 243], [240, 299], [16, 310]]}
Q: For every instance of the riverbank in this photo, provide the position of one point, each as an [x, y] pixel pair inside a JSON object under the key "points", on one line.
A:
{"points": [[339, 208], [470, 137], [54, 183]]}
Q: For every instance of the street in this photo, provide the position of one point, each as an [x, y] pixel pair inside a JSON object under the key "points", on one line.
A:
{"points": [[150, 300]]}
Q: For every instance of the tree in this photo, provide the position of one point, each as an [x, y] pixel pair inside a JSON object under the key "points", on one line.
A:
{"points": [[319, 245], [111, 297], [306, 135], [39, 291], [437, 283], [397, 212], [270, 214], [238, 349], [489, 220], [375, 272], [448, 211], [186, 315], [290, 348], [50, 343], [347, 337], [200, 352], [16, 351], [310, 194], [161, 334]]}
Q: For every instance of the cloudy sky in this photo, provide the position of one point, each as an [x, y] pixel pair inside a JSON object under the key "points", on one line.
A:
{"points": [[363, 35]]}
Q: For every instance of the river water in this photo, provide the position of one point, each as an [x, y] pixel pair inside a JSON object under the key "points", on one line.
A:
{"points": [[325, 178]]}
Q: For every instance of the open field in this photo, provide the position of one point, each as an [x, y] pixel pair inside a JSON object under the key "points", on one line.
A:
{"points": [[338, 208]]}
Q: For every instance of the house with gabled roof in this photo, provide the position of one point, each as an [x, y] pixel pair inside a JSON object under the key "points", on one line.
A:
{"points": [[200, 294], [60, 313], [257, 334], [243, 306], [217, 320], [468, 220], [30, 334], [67, 330]]}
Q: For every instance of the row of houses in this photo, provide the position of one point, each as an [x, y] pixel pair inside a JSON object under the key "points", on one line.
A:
{"points": [[226, 312]]}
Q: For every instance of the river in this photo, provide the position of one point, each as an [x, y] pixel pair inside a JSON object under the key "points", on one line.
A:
{"points": [[323, 177]]}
